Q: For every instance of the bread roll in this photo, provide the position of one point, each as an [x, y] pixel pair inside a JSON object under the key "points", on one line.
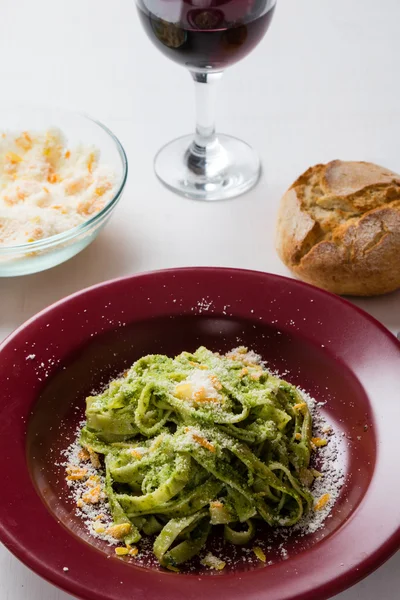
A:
{"points": [[339, 228]]}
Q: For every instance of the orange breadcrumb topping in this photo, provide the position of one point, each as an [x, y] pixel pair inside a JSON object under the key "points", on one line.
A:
{"points": [[195, 364], [74, 186], [24, 141], [91, 162], [199, 394], [76, 473], [83, 454], [93, 481], [216, 383], [202, 441], [323, 501], [319, 442], [136, 454], [98, 527], [13, 158], [53, 177], [119, 531], [37, 234], [99, 191], [92, 496], [89, 206], [60, 208]]}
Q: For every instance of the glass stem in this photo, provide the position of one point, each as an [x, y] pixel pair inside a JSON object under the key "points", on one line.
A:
{"points": [[205, 90], [205, 157]]}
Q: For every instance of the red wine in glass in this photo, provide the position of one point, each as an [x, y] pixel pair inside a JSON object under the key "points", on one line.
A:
{"points": [[206, 34]]}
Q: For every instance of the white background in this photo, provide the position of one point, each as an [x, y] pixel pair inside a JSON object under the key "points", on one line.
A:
{"points": [[324, 84]]}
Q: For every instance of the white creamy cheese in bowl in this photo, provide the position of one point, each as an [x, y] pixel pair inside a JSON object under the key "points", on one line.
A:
{"points": [[56, 191]]}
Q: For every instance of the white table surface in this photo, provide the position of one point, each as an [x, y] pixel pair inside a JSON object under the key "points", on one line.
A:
{"points": [[323, 84]]}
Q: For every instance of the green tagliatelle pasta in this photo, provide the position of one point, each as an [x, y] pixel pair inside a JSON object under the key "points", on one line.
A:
{"points": [[199, 441]]}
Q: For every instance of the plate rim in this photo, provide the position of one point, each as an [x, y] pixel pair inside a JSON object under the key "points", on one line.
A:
{"points": [[204, 269]]}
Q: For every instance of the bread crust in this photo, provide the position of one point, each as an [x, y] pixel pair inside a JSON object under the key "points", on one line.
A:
{"points": [[339, 228]]}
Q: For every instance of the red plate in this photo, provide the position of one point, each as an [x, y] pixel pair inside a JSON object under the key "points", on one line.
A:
{"points": [[338, 353]]}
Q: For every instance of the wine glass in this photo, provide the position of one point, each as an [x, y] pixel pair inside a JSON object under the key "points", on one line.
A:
{"points": [[206, 36]]}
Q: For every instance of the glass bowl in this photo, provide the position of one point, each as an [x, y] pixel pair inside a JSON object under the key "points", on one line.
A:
{"points": [[43, 254]]}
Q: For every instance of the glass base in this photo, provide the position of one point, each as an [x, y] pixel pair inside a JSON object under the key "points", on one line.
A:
{"points": [[227, 168]]}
